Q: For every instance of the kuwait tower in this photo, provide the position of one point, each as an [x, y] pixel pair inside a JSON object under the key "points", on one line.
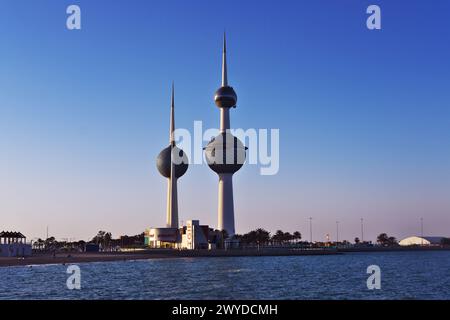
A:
{"points": [[172, 164], [225, 154]]}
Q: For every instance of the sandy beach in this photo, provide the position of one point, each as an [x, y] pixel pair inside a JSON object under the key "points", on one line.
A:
{"points": [[40, 259]]}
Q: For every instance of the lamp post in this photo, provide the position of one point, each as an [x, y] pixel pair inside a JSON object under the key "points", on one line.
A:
{"points": [[310, 230], [421, 230], [337, 233], [362, 230]]}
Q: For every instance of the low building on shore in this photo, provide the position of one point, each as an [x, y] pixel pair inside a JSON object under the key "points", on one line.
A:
{"points": [[193, 236], [162, 238], [14, 244], [422, 241]]}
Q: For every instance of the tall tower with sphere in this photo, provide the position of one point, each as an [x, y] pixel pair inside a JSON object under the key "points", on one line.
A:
{"points": [[172, 163], [225, 154]]}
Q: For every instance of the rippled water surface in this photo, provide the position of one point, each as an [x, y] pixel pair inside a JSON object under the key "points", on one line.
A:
{"points": [[404, 275]]}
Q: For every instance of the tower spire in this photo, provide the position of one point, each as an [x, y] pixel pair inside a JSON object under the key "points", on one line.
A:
{"points": [[224, 62], [172, 117]]}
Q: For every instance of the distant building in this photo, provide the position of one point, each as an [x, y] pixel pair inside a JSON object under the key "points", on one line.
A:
{"points": [[14, 244], [193, 236], [419, 241], [167, 238]]}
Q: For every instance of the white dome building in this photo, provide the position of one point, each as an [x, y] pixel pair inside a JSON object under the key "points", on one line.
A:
{"points": [[419, 241]]}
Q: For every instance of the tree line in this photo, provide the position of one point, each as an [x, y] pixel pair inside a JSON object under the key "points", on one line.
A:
{"points": [[103, 239], [263, 237]]}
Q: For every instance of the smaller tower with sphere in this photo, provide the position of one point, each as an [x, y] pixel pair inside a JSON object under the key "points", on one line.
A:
{"points": [[172, 163], [225, 154]]}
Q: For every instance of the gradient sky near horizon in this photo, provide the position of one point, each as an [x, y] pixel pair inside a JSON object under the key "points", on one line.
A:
{"points": [[364, 116]]}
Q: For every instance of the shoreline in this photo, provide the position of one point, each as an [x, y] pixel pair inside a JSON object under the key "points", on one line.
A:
{"points": [[63, 259], [74, 258]]}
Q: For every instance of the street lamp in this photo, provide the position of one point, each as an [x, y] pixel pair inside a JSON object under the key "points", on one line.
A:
{"points": [[362, 230], [421, 230], [337, 233]]}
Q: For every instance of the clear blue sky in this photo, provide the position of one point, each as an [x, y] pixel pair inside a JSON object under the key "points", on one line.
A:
{"points": [[364, 116]]}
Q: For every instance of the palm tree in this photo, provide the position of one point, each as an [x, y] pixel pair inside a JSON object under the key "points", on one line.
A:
{"points": [[278, 236], [392, 241], [103, 238], [237, 237], [262, 236], [383, 239], [50, 243], [287, 237], [253, 236], [81, 245], [107, 240], [297, 236], [39, 243]]}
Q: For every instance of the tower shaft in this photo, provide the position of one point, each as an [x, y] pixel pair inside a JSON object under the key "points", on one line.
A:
{"points": [[226, 204], [172, 203], [224, 119]]}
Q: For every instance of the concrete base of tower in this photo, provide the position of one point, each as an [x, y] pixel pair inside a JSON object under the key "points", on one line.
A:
{"points": [[226, 204], [172, 204]]}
